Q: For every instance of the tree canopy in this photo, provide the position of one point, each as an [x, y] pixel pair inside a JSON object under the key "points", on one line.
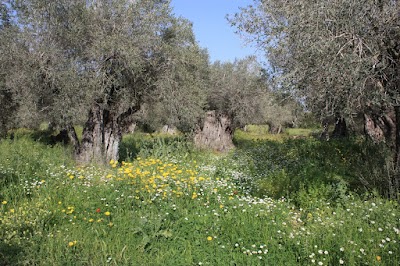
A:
{"points": [[340, 56], [97, 62]]}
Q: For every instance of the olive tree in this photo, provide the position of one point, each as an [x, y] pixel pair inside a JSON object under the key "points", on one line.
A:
{"points": [[340, 57], [238, 94], [98, 62]]}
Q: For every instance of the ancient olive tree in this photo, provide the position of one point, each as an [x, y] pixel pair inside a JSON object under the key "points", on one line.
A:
{"points": [[341, 57], [96, 61], [238, 94]]}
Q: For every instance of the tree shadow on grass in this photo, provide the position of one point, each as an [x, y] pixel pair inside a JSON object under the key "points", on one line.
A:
{"points": [[355, 162], [9, 255]]}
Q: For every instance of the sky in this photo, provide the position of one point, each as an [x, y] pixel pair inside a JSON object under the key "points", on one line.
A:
{"points": [[211, 28]]}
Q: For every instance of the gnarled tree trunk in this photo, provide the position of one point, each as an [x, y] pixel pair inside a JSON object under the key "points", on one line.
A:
{"points": [[216, 133], [381, 128], [101, 136], [386, 129]]}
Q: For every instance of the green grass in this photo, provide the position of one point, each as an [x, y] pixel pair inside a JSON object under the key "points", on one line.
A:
{"points": [[173, 205], [306, 132]]}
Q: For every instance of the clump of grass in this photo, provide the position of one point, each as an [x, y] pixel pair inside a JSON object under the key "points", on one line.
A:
{"points": [[156, 145]]}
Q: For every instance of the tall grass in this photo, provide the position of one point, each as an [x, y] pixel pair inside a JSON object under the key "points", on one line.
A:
{"points": [[165, 207]]}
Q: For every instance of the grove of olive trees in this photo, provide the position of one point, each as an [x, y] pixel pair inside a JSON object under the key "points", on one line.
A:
{"points": [[107, 64]]}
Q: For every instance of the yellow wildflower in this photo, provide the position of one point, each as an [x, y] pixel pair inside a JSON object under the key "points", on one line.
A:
{"points": [[4, 202], [194, 195], [209, 238], [107, 213]]}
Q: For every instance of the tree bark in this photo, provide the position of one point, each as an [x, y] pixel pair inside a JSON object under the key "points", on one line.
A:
{"points": [[386, 129], [216, 133], [91, 149], [102, 135], [381, 128], [396, 178], [372, 129], [72, 137]]}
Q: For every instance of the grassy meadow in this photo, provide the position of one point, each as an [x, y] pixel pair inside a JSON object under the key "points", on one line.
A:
{"points": [[272, 201]]}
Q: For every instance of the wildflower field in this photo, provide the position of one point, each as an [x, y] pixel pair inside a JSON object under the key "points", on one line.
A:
{"points": [[266, 203]]}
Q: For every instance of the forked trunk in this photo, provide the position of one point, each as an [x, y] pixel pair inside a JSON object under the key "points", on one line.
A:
{"points": [[215, 134]]}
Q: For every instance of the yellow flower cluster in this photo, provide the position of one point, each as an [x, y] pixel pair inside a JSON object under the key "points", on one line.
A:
{"points": [[153, 176]]}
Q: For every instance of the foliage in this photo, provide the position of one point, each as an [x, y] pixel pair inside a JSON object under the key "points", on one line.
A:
{"points": [[241, 90], [97, 63], [181, 98], [341, 57]]}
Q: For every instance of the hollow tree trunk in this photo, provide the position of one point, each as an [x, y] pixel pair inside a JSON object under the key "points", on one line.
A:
{"points": [[216, 133]]}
